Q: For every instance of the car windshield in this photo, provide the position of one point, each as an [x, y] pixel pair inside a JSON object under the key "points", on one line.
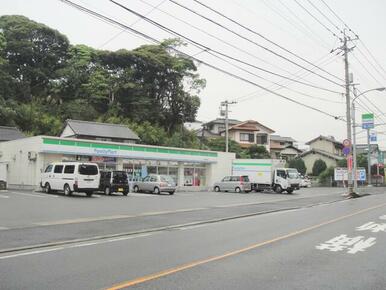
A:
{"points": [[293, 173], [88, 169], [166, 178]]}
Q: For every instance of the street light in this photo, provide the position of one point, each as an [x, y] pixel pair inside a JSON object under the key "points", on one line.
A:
{"points": [[354, 139]]}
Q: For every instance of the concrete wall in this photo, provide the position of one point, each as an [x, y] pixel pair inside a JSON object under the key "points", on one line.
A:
{"points": [[310, 159]]}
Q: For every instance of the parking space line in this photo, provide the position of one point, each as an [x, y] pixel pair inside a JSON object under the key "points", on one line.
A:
{"points": [[30, 194], [3, 228], [4, 196], [81, 220]]}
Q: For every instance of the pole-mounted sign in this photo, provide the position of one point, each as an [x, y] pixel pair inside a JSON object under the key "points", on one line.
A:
{"points": [[368, 121]]}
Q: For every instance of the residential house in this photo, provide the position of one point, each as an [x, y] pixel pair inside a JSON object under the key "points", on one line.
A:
{"points": [[250, 133], [283, 147], [325, 148], [213, 128], [98, 131], [10, 133]]}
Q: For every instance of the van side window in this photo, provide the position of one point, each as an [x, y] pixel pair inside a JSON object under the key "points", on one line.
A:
{"points": [[69, 169], [226, 178], [235, 178], [49, 168], [58, 169]]}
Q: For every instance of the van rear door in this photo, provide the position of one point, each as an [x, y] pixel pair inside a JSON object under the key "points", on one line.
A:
{"points": [[88, 176]]}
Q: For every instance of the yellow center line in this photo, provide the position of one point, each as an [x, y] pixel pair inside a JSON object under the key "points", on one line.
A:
{"points": [[183, 267]]}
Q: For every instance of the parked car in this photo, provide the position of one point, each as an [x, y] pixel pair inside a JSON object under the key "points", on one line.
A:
{"points": [[156, 184], [234, 183], [305, 181], [71, 177], [114, 181]]}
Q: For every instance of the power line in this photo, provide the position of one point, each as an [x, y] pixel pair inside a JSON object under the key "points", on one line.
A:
{"points": [[210, 50], [221, 40], [105, 18], [132, 24], [325, 16], [262, 36], [337, 16], [253, 42], [316, 19]]}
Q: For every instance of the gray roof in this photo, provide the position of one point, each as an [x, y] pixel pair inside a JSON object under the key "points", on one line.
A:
{"points": [[106, 130], [281, 138], [10, 133], [222, 121]]}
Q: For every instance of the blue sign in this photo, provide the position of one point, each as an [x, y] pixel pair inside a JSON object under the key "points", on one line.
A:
{"points": [[373, 136], [346, 150]]}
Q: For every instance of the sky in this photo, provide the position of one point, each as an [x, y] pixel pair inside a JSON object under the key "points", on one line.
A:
{"points": [[284, 46]]}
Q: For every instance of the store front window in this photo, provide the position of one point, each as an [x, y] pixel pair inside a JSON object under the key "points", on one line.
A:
{"points": [[194, 175]]}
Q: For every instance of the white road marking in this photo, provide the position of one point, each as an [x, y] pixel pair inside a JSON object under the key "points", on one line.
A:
{"points": [[81, 220], [4, 196], [31, 194], [85, 244], [3, 228], [343, 242]]}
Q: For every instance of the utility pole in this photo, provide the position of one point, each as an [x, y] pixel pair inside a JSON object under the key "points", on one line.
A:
{"points": [[345, 49], [348, 109], [354, 143], [368, 157], [226, 114]]}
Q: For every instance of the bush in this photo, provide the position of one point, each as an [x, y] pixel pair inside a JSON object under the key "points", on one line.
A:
{"points": [[326, 175], [319, 167], [298, 163]]}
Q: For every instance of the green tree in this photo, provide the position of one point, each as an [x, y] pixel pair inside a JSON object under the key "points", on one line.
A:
{"points": [[218, 144], [299, 164], [257, 152], [318, 167], [34, 54]]}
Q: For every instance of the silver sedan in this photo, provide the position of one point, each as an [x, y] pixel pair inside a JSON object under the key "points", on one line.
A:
{"points": [[156, 184]]}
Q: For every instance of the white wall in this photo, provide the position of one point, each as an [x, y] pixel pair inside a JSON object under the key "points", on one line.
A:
{"points": [[22, 173], [223, 167], [67, 132]]}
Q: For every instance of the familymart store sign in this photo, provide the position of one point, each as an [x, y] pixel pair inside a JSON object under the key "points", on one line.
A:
{"points": [[91, 148]]}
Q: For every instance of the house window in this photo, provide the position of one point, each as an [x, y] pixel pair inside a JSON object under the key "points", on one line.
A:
{"points": [[262, 139], [247, 137]]}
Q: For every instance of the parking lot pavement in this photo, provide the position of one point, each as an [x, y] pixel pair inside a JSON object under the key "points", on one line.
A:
{"points": [[20, 209]]}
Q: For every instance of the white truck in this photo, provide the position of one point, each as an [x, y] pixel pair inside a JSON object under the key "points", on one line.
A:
{"points": [[266, 174]]}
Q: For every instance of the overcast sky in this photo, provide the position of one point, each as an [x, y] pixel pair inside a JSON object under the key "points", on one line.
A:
{"points": [[306, 28]]}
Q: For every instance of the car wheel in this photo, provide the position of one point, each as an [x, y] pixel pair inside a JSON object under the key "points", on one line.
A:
{"points": [[171, 192], [107, 190], [67, 190], [125, 193], [89, 193], [217, 189], [156, 190], [136, 188], [278, 189], [290, 190], [47, 188], [237, 189]]}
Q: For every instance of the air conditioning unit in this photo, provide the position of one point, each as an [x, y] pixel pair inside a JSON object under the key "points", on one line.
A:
{"points": [[32, 155]]}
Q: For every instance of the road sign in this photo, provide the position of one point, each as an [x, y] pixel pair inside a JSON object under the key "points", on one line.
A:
{"points": [[373, 136], [340, 174], [346, 142], [346, 150], [368, 121]]}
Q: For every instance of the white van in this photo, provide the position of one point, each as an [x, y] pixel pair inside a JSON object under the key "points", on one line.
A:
{"points": [[71, 177]]}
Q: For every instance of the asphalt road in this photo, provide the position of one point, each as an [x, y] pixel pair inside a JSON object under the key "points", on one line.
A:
{"points": [[287, 244]]}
